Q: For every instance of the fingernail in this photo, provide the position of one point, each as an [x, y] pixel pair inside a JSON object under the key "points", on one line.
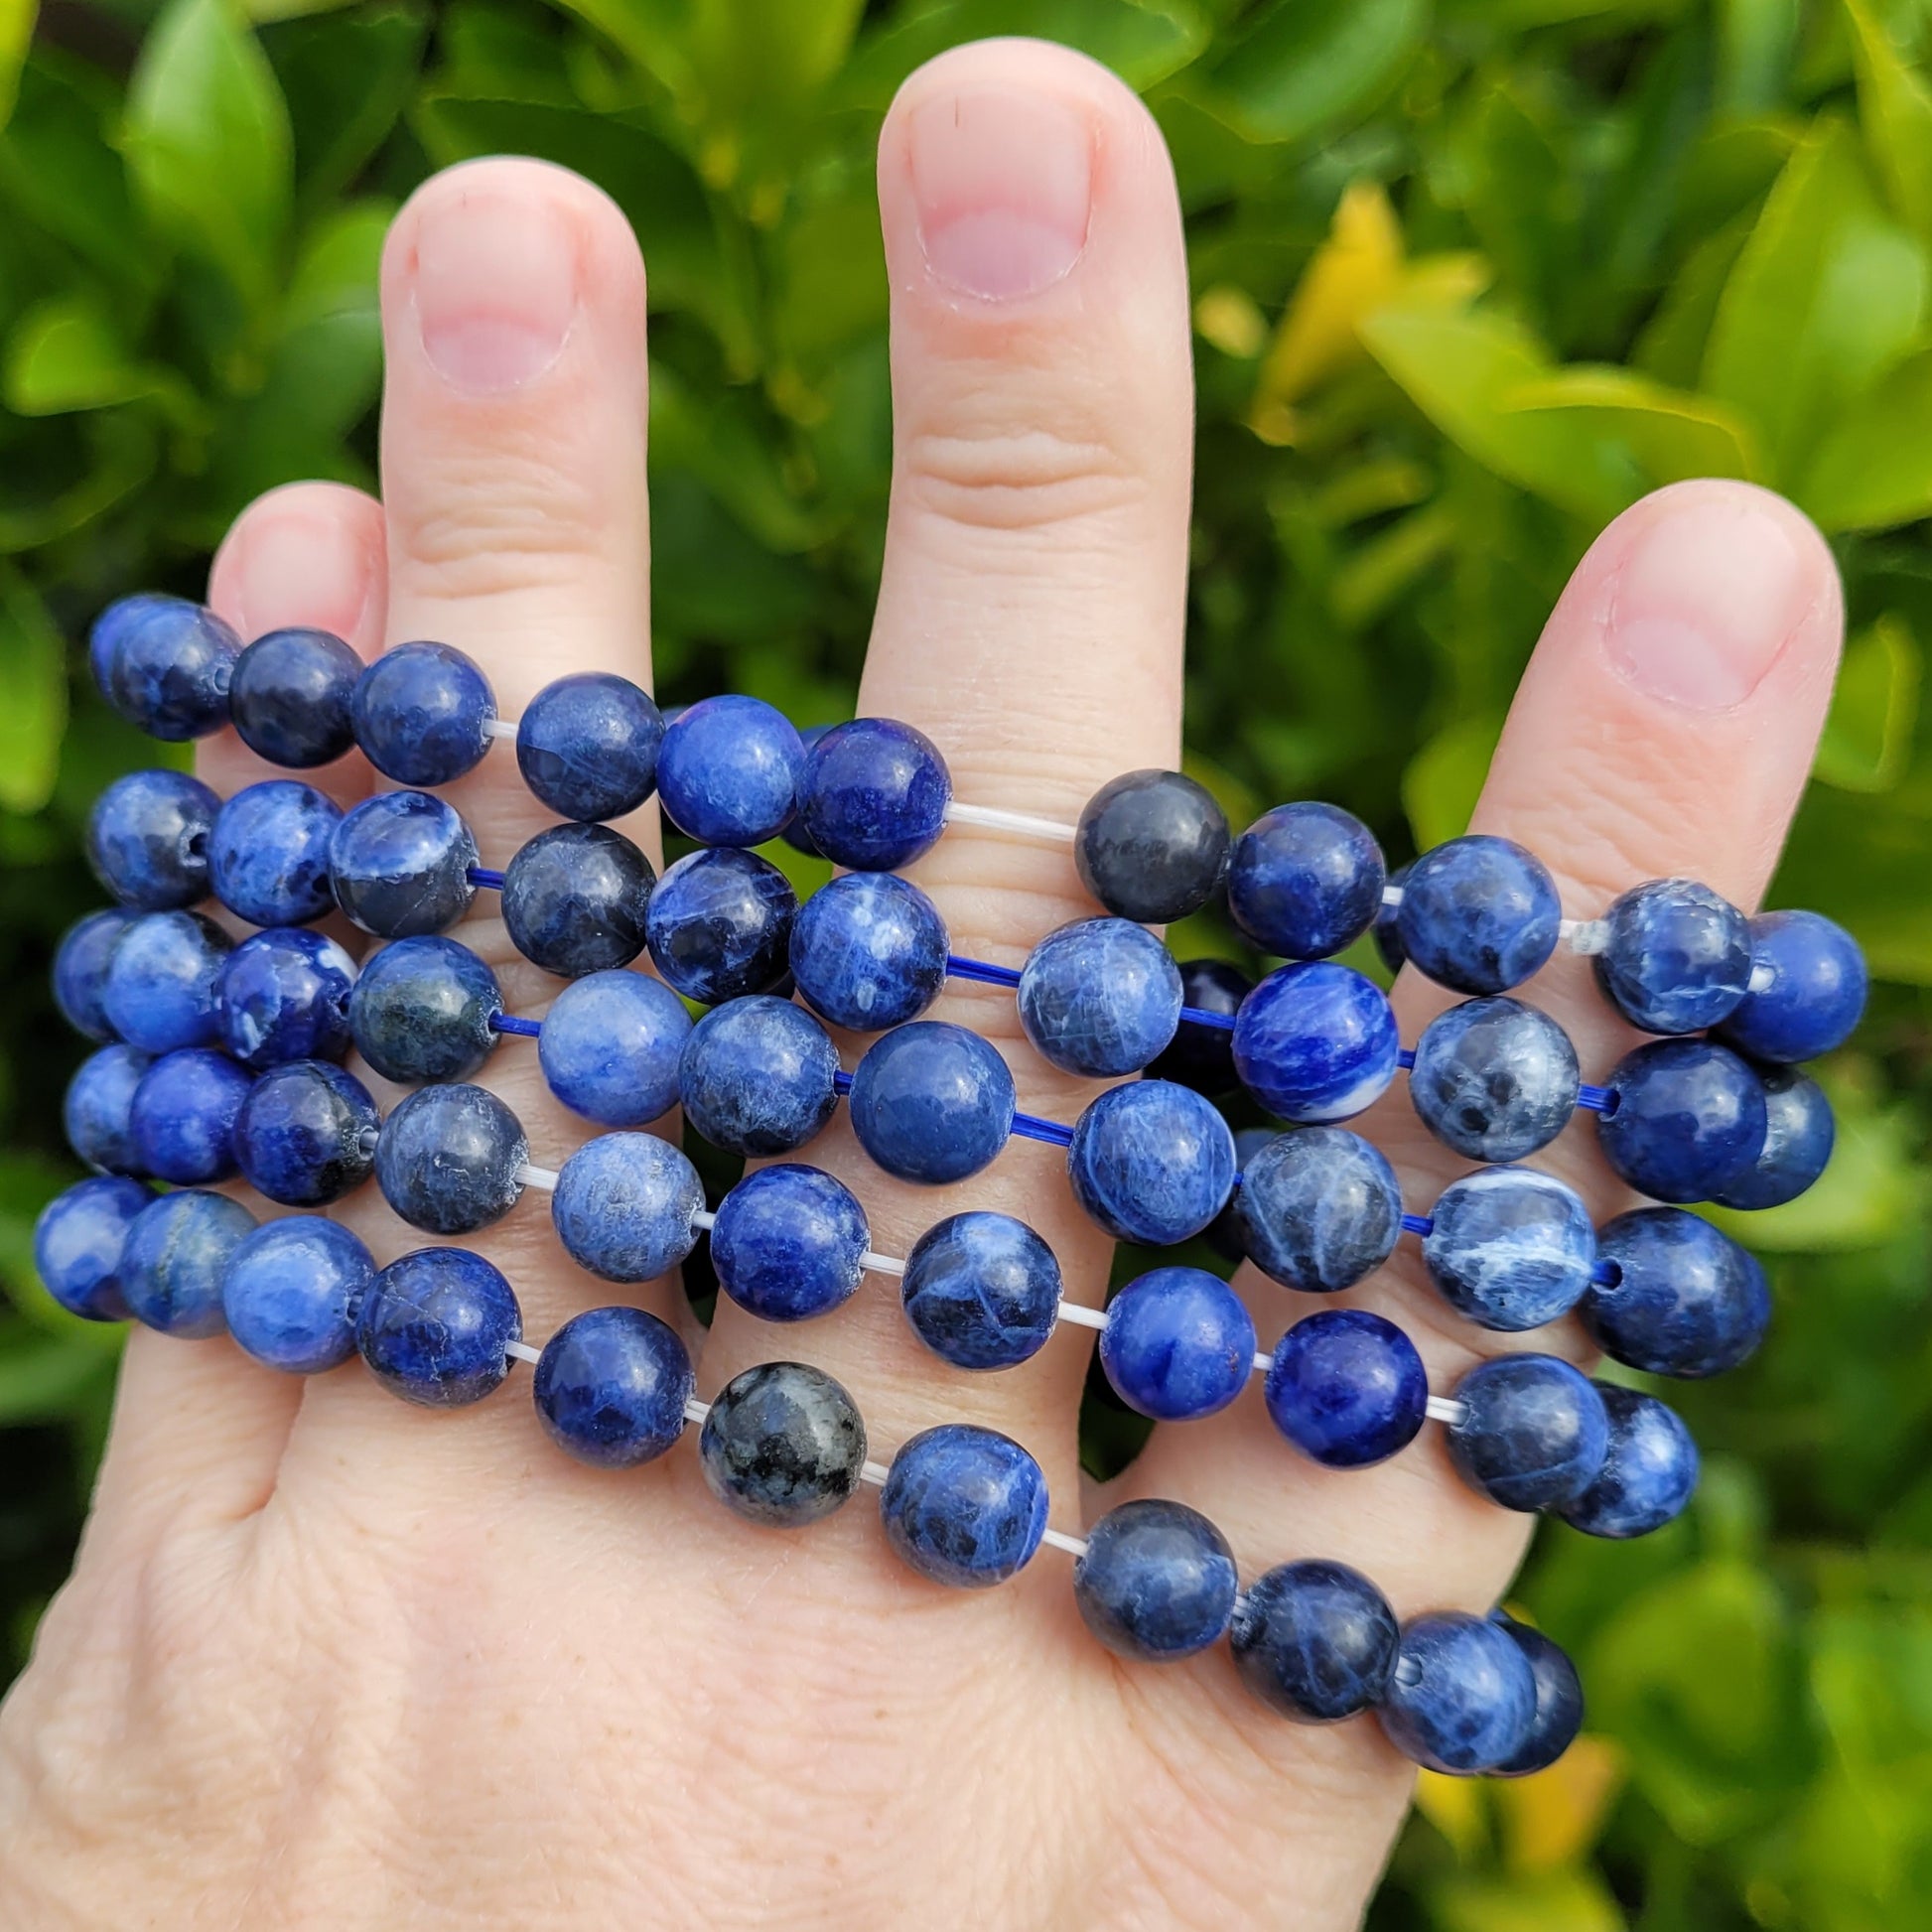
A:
{"points": [[1003, 183], [496, 287], [300, 570], [1705, 600]]}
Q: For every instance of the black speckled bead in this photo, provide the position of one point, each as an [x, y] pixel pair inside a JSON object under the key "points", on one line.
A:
{"points": [[1151, 846], [782, 1444], [574, 900], [421, 1011], [449, 1159]]}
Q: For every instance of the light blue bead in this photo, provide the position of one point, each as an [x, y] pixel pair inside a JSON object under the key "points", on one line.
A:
{"points": [[285, 996], [575, 899], [422, 1010], [421, 713], [173, 1257], [1494, 1079], [1534, 1431], [1156, 1581], [872, 794], [1510, 1248], [449, 1158], [1461, 1698], [1686, 1301], [435, 1327], [757, 1076], [611, 1387], [1347, 1388], [1305, 880], [981, 1290], [931, 1102], [610, 1048], [306, 1134], [1808, 989], [164, 979], [291, 1293], [1676, 956], [1479, 914], [80, 970], [168, 664], [1178, 1344], [400, 863], [148, 839], [787, 1243], [1317, 1209], [1649, 1472], [1100, 997], [1799, 1132], [77, 1242], [622, 1206], [869, 951], [587, 746], [728, 770], [268, 856], [718, 924], [1152, 1163], [97, 1110], [1315, 1042], [964, 1505], [183, 1115], [1688, 1119]]}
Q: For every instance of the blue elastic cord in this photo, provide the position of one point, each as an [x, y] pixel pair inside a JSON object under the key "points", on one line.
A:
{"points": [[1606, 1273], [982, 970], [1418, 1224], [508, 1022], [1031, 1126], [1598, 1100], [1405, 1059], [491, 882]]}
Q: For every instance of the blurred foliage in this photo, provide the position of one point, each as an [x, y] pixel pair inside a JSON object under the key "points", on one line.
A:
{"points": [[1470, 277]]}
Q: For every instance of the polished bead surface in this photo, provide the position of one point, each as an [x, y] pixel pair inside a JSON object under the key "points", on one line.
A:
{"points": [[77, 1242], [421, 714], [1649, 1471], [1305, 880], [1100, 997], [1689, 1119], [931, 1102], [869, 951], [795, 834], [98, 1109], [1317, 1209], [1534, 1435], [1510, 1248], [164, 979], [981, 1290], [80, 970], [1687, 1300], [422, 1008], [183, 1114], [169, 665], [1156, 1581], [757, 1076], [1494, 1079], [268, 856], [148, 839], [1387, 929], [1799, 1132], [1152, 1163], [291, 1293], [718, 924], [1151, 846], [782, 1446], [1346, 1388], [1314, 1640], [872, 794], [964, 1505], [306, 1134], [450, 1158], [1559, 1709], [587, 746], [728, 770], [173, 1260], [1223, 1234], [1808, 986], [1479, 914], [111, 627], [610, 1048], [787, 1242], [1198, 1056], [1178, 1343], [575, 899], [1461, 1698], [622, 1206], [435, 1327], [290, 697], [1315, 1042], [1676, 956], [285, 996], [400, 865], [611, 1387]]}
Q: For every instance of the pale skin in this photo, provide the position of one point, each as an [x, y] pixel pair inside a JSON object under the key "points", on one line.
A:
{"points": [[329, 1660]]}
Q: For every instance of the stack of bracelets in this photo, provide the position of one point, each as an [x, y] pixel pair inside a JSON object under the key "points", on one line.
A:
{"points": [[223, 1057]]}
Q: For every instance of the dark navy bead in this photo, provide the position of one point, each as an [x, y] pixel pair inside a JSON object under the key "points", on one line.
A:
{"points": [[183, 1114], [77, 1242], [291, 1293], [1688, 1119], [1798, 1135], [435, 1327], [400, 863], [587, 746], [1649, 1471], [872, 794], [1687, 1300], [1316, 1043], [1479, 914], [1461, 1698], [1510, 1248], [720, 925], [782, 1446], [1808, 984], [1152, 1163], [1346, 1388], [174, 1257], [268, 856], [611, 1387], [1317, 1209], [1494, 1079], [787, 1243], [869, 951], [422, 1008], [167, 670], [728, 770], [931, 1102], [1202, 1058], [98, 1108], [575, 899], [306, 1133], [422, 714], [611, 1045], [1100, 997], [1156, 1581], [964, 1505], [1151, 846], [622, 1206], [449, 1159], [164, 978], [1314, 1640], [284, 996], [1305, 880], [1558, 1701], [981, 1290], [290, 697], [1534, 1435], [148, 839], [1676, 956], [1387, 929], [795, 834], [80, 970], [1178, 1344], [111, 627], [757, 1076]]}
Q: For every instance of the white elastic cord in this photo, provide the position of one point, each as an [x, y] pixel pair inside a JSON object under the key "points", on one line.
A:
{"points": [[696, 1411], [1081, 1316], [1074, 1546], [521, 1351], [1763, 979], [1446, 1410], [874, 1473], [544, 1177], [1584, 936], [1023, 823], [499, 728], [704, 1219], [1263, 1363], [880, 1264], [1391, 895]]}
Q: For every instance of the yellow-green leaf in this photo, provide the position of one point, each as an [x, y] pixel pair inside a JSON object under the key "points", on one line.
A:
{"points": [[1560, 1901], [1445, 778], [33, 696], [65, 354], [1873, 468], [17, 19], [1867, 739], [1897, 116], [1670, 435], [1302, 64]]}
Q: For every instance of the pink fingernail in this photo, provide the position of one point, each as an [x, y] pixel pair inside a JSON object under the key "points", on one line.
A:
{"points": [[300, 570], [1004, 183]]}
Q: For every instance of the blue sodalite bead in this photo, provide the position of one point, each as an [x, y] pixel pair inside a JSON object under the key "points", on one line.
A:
{"points": [[1225, 1233], [718, 924], [1346, 1388], [97, 1110], [1202, 1058], [1317, 1209], [1510, 1248], [611, 1045], [622, 1206], [422, 713], [306, 1134], [449, 1159], [758, 1075], [290, 697], [168, 667], [1494, 1079], [284, 996], [787, 1242], [872, 794], [931, 1102], [291, 1293], [1156, 1581], [1387, 929], [981, 1290], [1315, 1042], [1305, 880], [728, 770], [173, 1260], [1178, 1343], [795, 834], [1676, 956], [1689, 1119], [1152, 1163], [1100, 997], [1314, 1640], [1649, 1471], [575, 899], [1808, 986], [400, 865], [964, 1505], [80, 970], [422, 1008], [1534, 1435], [77, 1242], [782, 1446], [587, 746], [164, 979], [1559, 1713], [1479, 914], [1461, 1698], [1687, 1300], [1798, 1135], [148, 839], [435, 1327], [183, 1114], [268, 856], [869, 951], [110, 628], [1151, 846], [611, 1387]]}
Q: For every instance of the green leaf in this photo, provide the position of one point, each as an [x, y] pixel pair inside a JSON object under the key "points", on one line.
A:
{"points": [[1897, 116], [66, 354], [16, 34], [346, 78], [1867, 739], [43, 1378], [1873, 468], [1670, 436], [720, 444], [1302, 65], [1864, 860], [1545, 1902], [1446, 778], [33, 696]]}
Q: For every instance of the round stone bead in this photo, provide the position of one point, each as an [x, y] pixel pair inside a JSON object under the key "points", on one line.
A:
{"points": [[306, 1134], [622, 1206], [1649, 1470], [611, 1387], [1676, 956], [422, 714], [782, 1446], [1798, 1135], [148, 839], [183, 1115], [291, 1293], [173, 1260], [1317, 1209], [872, 794], [795, 834], [1461, 1698], [1534, 1435], [1346, 1388], [931, 1102], [1808, 988], [1510, 1248], [1315, 1042], [1152, 1163], [1314, 1640], [1305, 880], [1100, 997], [728, 770], [575, 899], [758, 1075], [1223, 1234], [111, 627], [1479, 914], [1387, 929], [169, 668], [1198, 1056], [869, 951], [1151, 846], [98, 1110], [718, 924], [981, 1290], [1558, 1714], [964, 1505], [80, 970], [1686, 1299], [435, 1327], [1494, 1079], [268, 856], [77, 1242], [587, 746], [787, 1243], [449, 1159], [611, 1045], [164, 978], [1178, 1343], [290, 697], [422, 1008], [1156, 1581], [285, 996], [1689, 1119], [400, 865]]}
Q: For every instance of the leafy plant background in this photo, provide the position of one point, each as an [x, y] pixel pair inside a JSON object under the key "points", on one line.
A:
{"points": [[1470, 277]]}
